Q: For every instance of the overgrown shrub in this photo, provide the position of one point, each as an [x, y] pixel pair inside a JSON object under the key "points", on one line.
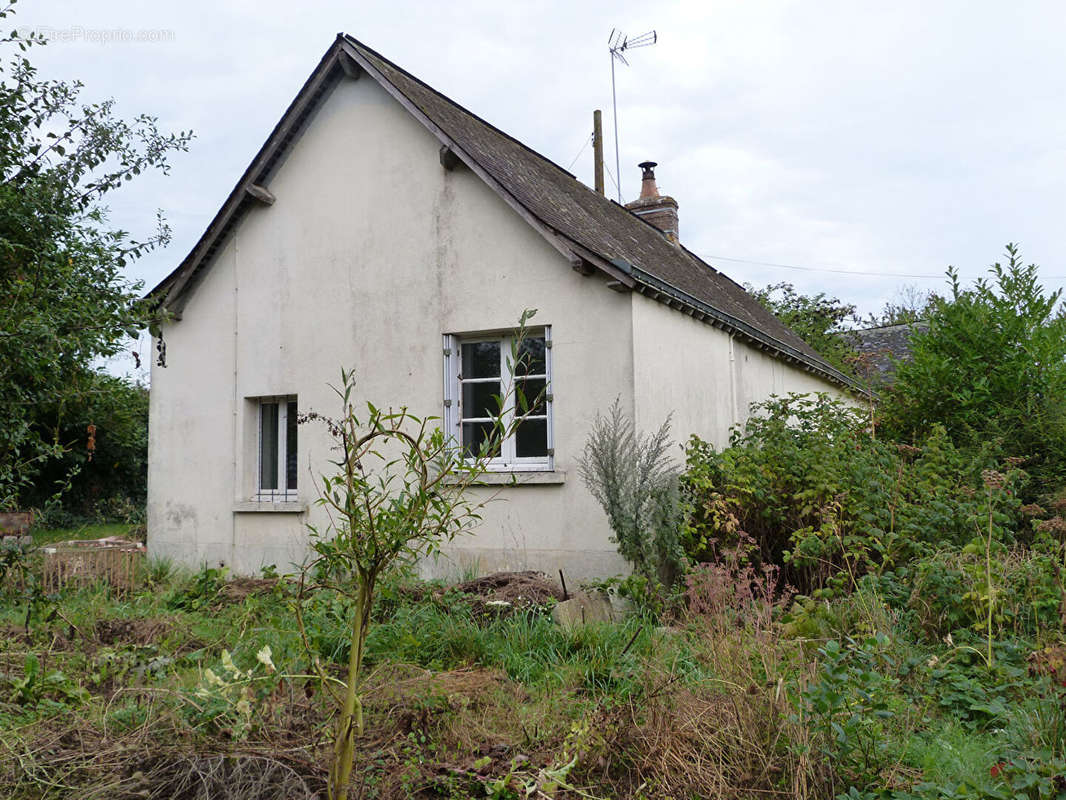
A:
{"points": [[632, 476], [951, 591], [102, 473], [730, 587], [991, 369], [829, 502], [849, 706]]}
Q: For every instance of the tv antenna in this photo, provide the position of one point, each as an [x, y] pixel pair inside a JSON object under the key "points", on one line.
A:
{"points": [[618, 43]]}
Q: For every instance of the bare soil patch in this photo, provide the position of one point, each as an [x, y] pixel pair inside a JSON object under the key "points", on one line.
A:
{"points": [[132, 631]]}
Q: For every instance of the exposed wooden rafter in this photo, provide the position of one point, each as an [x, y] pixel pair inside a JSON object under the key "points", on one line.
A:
{"points": [[260, 193], [350, 66], [448, 159]]}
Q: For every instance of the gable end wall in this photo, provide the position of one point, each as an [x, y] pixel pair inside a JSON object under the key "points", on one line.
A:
{"points": [[370, 253]]}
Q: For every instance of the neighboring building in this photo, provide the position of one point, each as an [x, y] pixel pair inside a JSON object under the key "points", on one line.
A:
{"points": [[881, 347], [385, 228]]}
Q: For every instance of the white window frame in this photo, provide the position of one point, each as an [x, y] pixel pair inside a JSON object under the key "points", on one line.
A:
{"points": [[285, 495], [508, 460]]}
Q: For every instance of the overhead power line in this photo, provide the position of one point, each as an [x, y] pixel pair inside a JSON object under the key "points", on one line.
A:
{"points": [[841, 271]]}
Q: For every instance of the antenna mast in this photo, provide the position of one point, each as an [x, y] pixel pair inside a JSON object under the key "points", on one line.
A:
{"points": [[618, 43]]}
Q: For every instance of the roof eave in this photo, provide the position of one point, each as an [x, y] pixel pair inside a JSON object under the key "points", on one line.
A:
{"points": [[658, 289], [171, 292]]}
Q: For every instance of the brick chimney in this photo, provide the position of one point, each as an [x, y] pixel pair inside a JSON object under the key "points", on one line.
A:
{"points": [[659, 210]]}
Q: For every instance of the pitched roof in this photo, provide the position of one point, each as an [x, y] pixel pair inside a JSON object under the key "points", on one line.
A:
{"points": [[882, 346], [594, 233]]}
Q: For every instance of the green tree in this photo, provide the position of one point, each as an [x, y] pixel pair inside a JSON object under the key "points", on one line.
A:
{"points": [[910, 304], [991, 368], [817, 319], [65, 300], [103, 423], [399, 491]]}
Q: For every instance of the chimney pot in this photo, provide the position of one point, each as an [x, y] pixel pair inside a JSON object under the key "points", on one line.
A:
{"points": [[658, 210], [647, 180]]}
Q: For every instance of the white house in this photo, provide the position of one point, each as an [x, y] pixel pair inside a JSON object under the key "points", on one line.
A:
{"points": [[382, 227]]}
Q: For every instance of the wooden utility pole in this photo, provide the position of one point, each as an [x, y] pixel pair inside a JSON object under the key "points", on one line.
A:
{"points": [[597, 149]]}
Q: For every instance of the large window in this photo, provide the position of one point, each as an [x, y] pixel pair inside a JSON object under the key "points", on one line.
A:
{"points": [[484, 381], [276, 478]]}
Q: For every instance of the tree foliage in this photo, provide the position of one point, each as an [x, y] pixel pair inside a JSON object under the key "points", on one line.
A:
{"points": [[910, 304], [817, 319], [102, 423], [991, 368], [66, 300]]}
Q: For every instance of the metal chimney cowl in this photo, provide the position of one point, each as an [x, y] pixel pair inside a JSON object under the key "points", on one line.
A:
{"points": [[659, 210]]}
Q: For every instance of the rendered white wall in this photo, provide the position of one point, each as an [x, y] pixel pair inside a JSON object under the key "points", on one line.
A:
{"points": [[694, 372], [371, 252]]}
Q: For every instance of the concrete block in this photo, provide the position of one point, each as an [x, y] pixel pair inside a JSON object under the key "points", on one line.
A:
{"points": [[586, 607]]}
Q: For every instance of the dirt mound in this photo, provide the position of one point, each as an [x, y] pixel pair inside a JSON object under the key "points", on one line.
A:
{"points": [[131, 631], [517, 588]]}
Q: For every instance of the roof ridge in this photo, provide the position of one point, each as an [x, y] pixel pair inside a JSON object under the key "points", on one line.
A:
{"points": [[888, 325], [612, 202], [353, 41]]}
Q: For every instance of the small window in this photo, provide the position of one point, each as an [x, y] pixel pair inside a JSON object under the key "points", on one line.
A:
{"points": [[482, 383], [276, 480]]}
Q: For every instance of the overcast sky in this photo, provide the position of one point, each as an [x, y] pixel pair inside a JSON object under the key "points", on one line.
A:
{"points": [[886, 138]]}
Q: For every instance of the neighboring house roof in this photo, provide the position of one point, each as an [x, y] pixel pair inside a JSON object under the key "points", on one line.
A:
{"points": [[592, 232], [881, 347]]}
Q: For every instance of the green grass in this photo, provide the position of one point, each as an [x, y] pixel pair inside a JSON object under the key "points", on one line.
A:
{"points": [[536, 685], [527, 645], [80, 532]]}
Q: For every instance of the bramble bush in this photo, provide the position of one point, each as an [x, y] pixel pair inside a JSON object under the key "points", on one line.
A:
{"points": [[828, 502]]}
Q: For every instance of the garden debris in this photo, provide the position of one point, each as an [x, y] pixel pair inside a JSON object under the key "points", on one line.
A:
{"points": [[503, 593], [132, 631], [15, 523], [98, 544], [517, 588], [241, 588], [241, 776]]}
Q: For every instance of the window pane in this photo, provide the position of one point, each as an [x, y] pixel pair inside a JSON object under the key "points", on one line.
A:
{"points": [[475, 434], [481, 360], [529, 396], [268, 446], [531, 357], [531, 438], [290, 446], [481, 399]]}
